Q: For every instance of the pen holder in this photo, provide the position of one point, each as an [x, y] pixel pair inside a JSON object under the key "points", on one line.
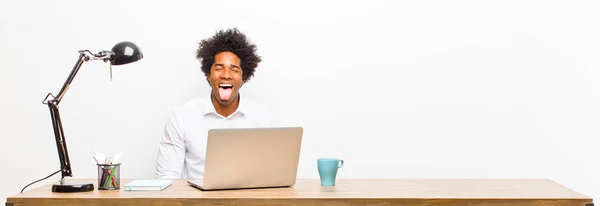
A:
{"points": [[109, 176]]}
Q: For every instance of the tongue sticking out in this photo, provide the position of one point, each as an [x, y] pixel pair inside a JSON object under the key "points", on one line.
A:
{"points": [[225, 94]]}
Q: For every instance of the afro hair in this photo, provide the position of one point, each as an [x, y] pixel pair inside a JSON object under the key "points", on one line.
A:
{"points": [[231, 40]]}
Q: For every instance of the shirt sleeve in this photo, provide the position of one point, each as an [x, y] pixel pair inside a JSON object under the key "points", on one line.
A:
{"points": [[268, 118], [171, 152]]}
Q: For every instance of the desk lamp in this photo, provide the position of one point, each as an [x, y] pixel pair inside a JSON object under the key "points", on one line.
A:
{"points": [[122, 53]]}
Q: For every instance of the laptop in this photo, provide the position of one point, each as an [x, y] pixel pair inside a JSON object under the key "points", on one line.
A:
{"points": [[239, 158]]}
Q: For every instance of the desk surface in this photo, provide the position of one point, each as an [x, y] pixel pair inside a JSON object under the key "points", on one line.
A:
{"points": [[347, 192]]}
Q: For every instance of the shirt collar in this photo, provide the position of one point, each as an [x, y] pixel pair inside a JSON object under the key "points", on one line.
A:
{"points": [[210, 108]]}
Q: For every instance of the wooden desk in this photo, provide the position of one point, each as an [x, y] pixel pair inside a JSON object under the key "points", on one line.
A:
{"points": [[492, 192]]}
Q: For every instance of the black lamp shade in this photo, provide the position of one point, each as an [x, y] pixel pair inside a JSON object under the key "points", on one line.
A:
{"points": [[125, 53]]}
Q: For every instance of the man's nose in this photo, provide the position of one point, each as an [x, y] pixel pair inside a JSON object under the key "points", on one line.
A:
{"points": [[226, 74]]}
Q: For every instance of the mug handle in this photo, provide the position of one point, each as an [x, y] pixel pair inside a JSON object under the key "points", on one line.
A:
{"points": [[341, 164]]}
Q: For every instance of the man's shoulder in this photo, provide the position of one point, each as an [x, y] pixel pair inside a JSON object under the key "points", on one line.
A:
{"points": [[254, 106], [256, 111]]}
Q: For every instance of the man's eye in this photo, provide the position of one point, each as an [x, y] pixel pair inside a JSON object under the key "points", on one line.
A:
{"points": [[218, 68]]}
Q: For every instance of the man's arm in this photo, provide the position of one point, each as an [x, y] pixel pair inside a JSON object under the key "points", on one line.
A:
{"points": [[171, 153]]}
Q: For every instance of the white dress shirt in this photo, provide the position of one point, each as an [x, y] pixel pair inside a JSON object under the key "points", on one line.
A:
{"points": [[182, 149]]}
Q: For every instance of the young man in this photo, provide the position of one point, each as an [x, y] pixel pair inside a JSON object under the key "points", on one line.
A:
{"points": [[228, 61]]}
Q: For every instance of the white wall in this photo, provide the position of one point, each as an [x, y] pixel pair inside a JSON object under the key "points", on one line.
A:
{"points": [[398, 89]]}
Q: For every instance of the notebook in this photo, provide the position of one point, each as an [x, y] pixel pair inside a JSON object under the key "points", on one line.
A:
{"points": [[148, 185]]}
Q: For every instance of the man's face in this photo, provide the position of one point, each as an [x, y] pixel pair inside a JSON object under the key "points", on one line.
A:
{"points": [[225, 77]]}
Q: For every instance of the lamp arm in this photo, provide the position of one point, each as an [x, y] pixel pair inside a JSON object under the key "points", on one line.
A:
{"points": [[59, 135], [61, 144]]}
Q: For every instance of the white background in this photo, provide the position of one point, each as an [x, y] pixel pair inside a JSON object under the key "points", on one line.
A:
{"points": [[398, 89]]}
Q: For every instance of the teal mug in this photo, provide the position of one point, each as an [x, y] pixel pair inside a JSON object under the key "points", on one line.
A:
{"points": [[328, 168]]}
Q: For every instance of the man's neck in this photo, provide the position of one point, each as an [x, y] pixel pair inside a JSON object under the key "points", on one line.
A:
{"points": [[225, 110]]}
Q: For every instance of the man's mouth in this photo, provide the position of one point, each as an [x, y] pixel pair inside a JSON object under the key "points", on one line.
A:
{"points": [[225, 86], [225, 91]]}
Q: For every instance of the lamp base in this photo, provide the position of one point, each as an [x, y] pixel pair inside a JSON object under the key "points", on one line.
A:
{"points": [[72, 188]]}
